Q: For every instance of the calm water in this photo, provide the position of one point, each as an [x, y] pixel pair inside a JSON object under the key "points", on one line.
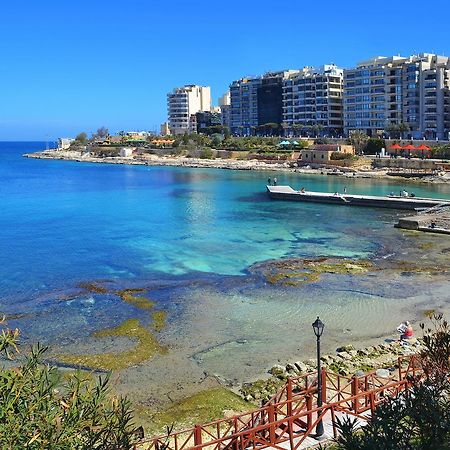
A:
{"points": [[187, 234]]}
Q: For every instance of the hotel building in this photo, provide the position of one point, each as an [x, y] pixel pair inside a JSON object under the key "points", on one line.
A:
{"points": [[183, 103], [312, 101], [387, 92]]}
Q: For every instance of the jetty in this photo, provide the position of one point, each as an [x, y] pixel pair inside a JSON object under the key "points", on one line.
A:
{"points": [[388, 201], [433, 220]]}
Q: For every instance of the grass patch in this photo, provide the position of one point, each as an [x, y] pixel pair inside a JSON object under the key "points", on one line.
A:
{"points": [[202, 407], [147, 346]]}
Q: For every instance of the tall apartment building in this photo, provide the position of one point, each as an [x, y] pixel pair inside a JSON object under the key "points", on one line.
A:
{"points": [[183, 103], [257, 101], [312, 101], [225, 109], [390, 91], [244, 105]]}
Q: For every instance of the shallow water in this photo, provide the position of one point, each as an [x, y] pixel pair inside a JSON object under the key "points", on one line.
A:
{"points": [[189, 237]]}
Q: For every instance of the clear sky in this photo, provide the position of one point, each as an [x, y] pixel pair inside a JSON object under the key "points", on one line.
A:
{"points": [[75, 65]]}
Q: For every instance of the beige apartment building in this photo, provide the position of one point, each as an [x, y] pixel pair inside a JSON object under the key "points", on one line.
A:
{"points": [[411, 93], [312, 102], [183, 103]]}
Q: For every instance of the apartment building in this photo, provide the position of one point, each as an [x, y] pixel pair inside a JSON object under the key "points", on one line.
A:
{"points": [[244, 105], [225, 109], [410, 93], [257, 101], [183, 103], [313, 101]]}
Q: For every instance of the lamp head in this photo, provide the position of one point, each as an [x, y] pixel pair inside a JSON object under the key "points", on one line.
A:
{"points": [[318, 327]]}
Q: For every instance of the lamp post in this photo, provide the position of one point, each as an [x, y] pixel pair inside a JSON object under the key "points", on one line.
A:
{"points": [[318, 327]]}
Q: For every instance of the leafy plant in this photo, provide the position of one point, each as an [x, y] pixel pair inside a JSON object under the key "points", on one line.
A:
{"points": [[42, 408]]}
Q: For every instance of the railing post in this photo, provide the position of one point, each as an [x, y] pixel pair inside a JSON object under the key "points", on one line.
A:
{"points": [[309, 405], [324, 384], [271, 423], [289, 397], [354, 393], [197, 435]]}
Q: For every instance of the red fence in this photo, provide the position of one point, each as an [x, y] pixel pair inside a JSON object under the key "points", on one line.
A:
{"points": [[292, 414]]}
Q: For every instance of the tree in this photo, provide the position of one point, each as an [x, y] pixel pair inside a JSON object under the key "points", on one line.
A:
{"points": [[419, 418], [374, 146], [101, 133], [42, 408], [81, 138], [358, 139]]}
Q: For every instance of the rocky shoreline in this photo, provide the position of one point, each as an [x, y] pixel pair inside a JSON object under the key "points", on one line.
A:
{"points": [[348, 361], [230, 164]]}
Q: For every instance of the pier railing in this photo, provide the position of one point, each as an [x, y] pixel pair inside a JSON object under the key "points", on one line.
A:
{"points": [[292, 414]]}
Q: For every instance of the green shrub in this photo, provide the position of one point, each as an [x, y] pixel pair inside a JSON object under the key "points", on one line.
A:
{"points": [[42, 408]]}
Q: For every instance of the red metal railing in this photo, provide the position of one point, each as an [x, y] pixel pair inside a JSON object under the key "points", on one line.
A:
{"points": [[292, 414]]}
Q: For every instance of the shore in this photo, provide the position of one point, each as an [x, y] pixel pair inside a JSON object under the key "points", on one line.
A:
{"points": [[231, 164]]}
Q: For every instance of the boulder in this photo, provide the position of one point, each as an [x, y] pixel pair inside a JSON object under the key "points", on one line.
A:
{"points": [[302, 367], [345, 348], [383, 373]]}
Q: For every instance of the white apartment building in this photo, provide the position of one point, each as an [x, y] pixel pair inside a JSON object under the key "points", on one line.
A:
{"points": [[387, 92], [313, 103], [183, 103], [225, 109]]}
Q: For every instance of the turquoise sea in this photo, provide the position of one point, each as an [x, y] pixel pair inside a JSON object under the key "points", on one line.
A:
{"points": [[189, 237]]}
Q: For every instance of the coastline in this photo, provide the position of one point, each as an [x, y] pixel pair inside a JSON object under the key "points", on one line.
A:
{"points": [[230, 164]]}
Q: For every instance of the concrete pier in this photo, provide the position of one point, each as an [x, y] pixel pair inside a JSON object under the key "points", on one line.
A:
{"points": [[393, 202]]}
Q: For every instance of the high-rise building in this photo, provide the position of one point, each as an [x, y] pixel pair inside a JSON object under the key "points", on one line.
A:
{"points": [[408, 94], [183, 103], [225, 109], [270, 97], [244, 106], [312, 101]]}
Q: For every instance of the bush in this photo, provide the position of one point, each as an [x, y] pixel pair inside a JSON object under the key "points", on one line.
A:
{"points": [[339, 156], [40, 408], [206, 154]]}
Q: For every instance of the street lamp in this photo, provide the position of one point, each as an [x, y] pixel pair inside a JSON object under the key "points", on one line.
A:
{"points": [[318, 327]]}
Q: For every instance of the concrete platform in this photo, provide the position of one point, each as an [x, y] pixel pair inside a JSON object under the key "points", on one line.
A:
{"points": [[393, 202]]}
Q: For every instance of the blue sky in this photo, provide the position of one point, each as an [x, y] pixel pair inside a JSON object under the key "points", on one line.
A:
{"points": [[71, 66]]}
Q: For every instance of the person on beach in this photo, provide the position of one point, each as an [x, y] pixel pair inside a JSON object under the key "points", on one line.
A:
{"points": [[406, 331]]}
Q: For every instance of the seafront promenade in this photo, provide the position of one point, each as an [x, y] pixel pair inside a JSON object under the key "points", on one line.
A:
{"points": [[231, 164]]}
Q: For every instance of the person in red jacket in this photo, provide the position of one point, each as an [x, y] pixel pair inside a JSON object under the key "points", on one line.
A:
{"points": [[406, 331]]}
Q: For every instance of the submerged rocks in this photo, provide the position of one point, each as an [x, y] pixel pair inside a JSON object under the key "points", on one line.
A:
{"points": [[297, 271]]}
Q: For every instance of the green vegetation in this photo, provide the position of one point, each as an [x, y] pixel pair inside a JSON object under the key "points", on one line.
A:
{"points": [[146, 347], [140, 302], [293, 272], [202, 407], [338, 156], [40, 408], [374, 146]]}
